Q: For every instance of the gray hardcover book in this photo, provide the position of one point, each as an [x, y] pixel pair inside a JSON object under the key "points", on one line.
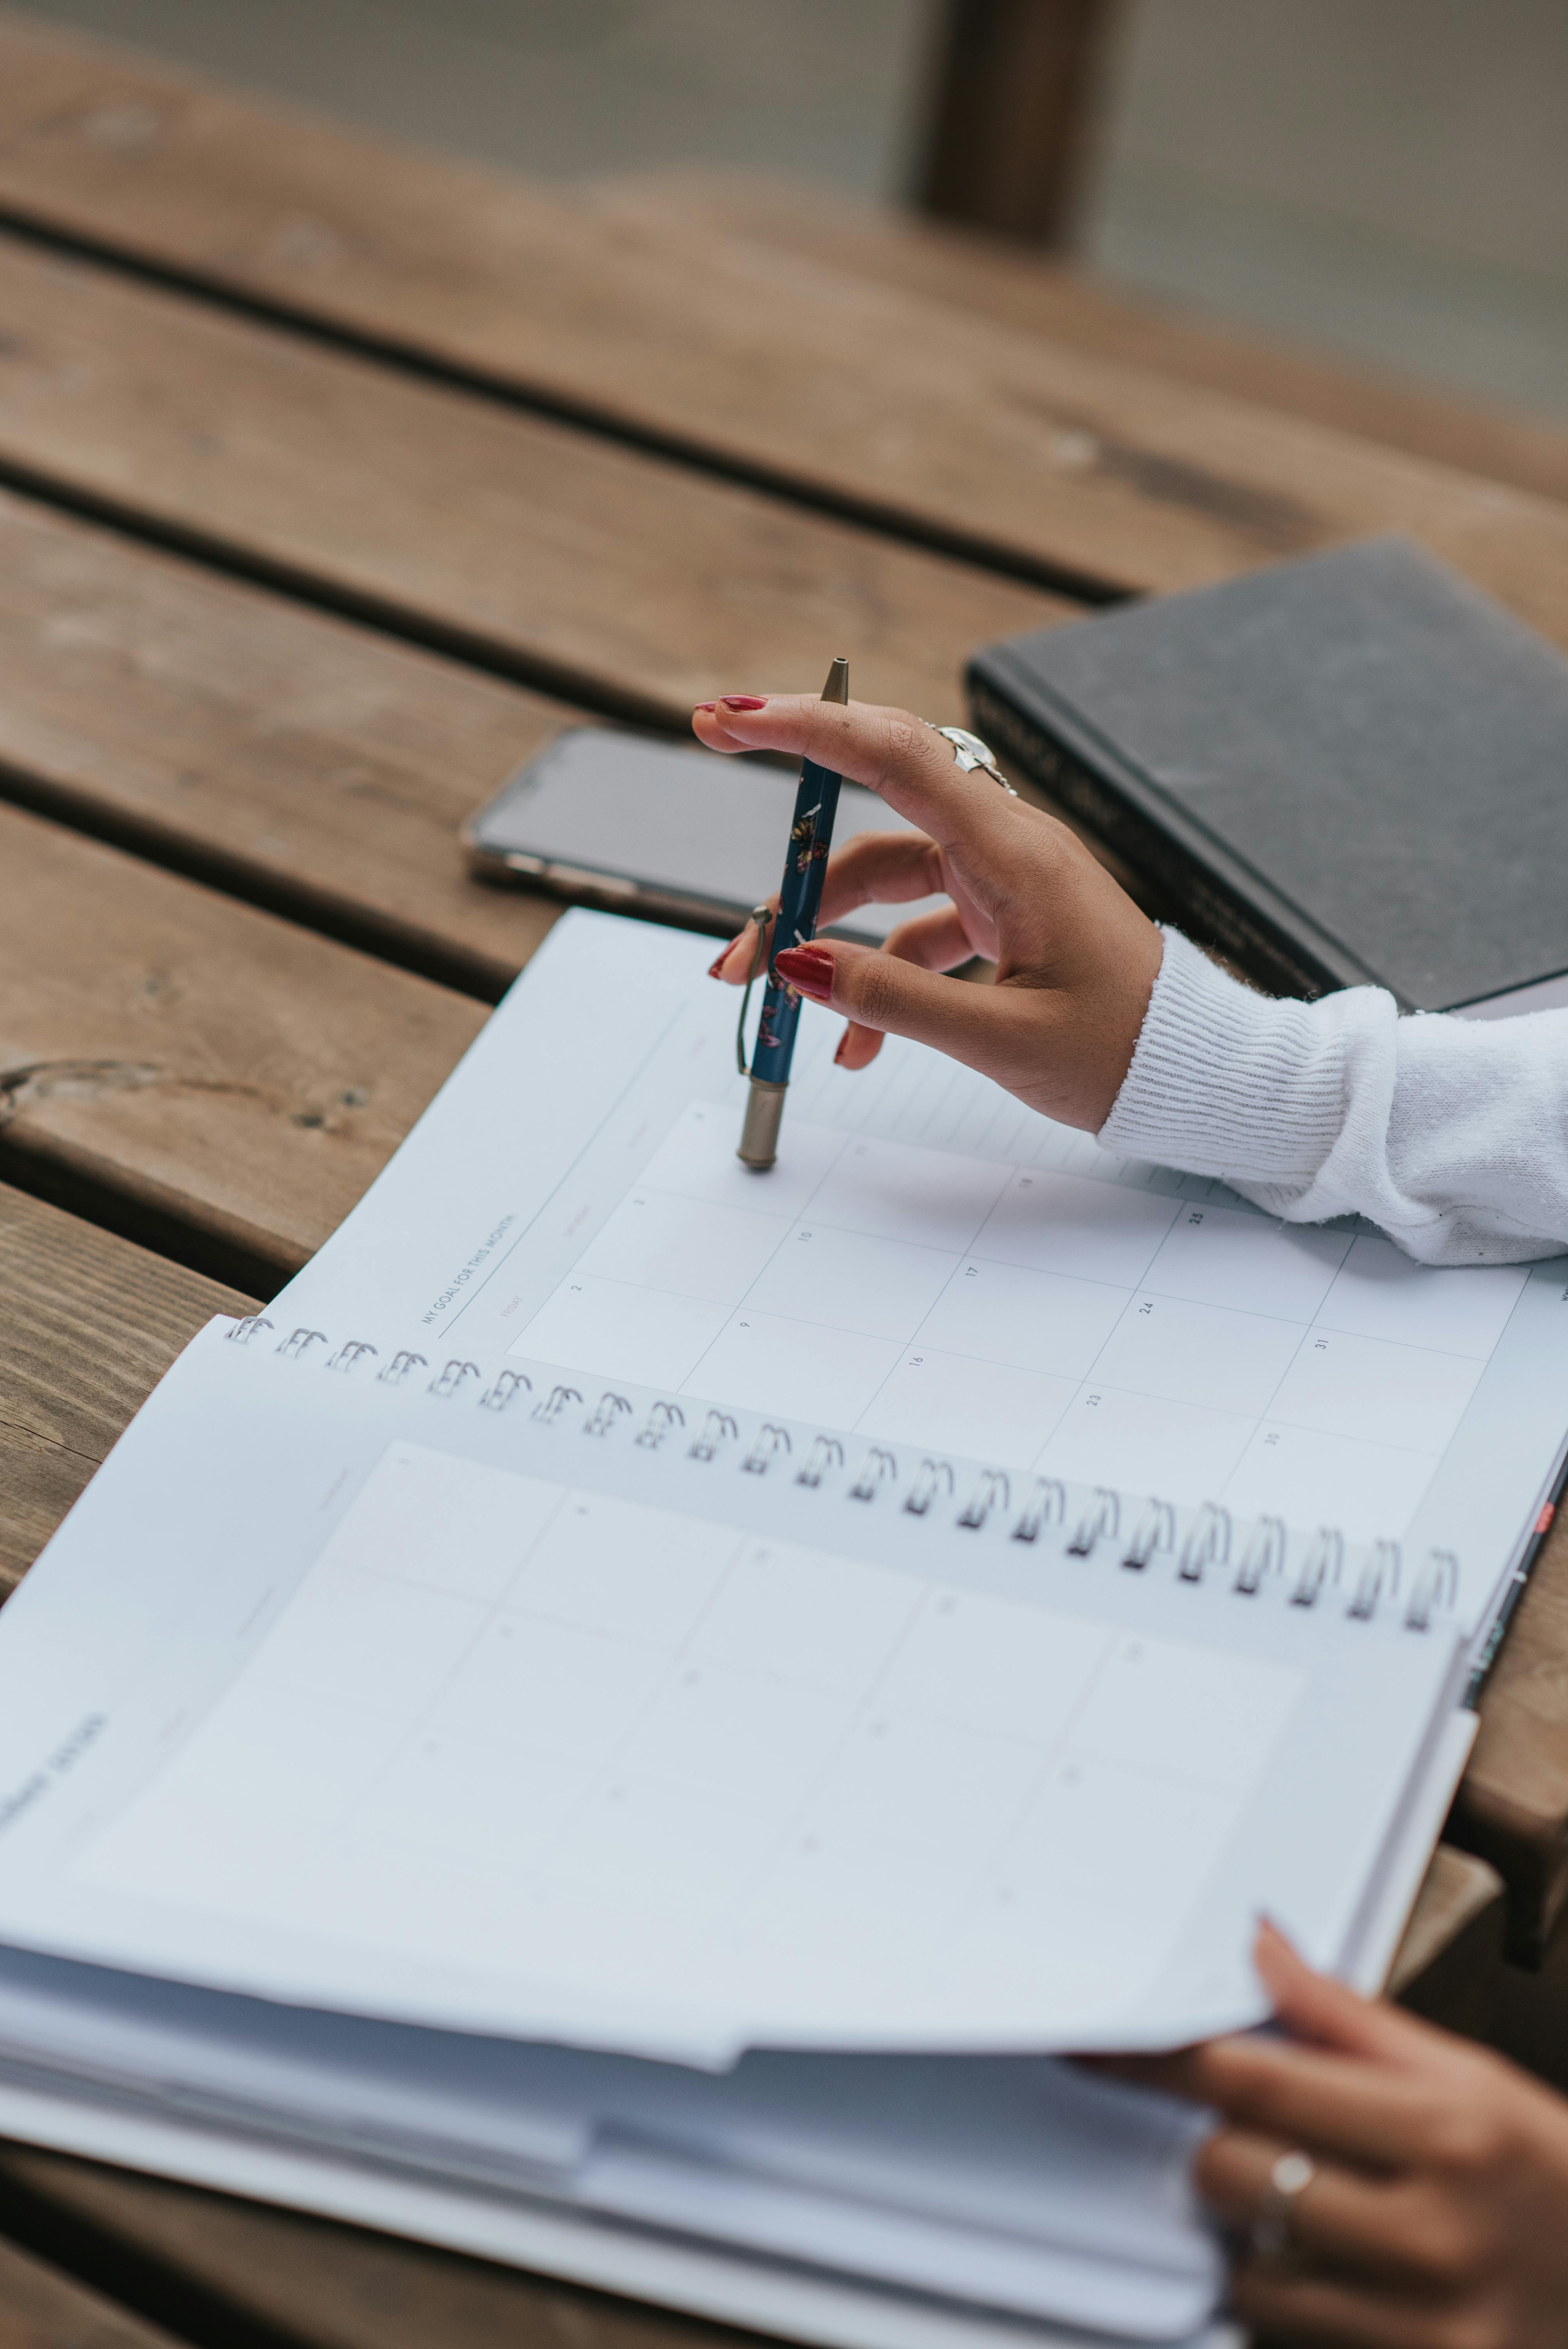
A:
{"points": [[1351, 769]]}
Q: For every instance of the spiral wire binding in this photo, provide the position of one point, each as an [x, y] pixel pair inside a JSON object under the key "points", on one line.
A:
{"points": [[824, 1456], [548, 1411], [1046, 1505], [992, 1492], [769, 1442], [1101, 1521], [1263, 1559], [1208, 1543], [932, 1478], [1321, 1568], [1436, 1591], [878, 1468], [1156, 1530], [717, 1429], [1379, 1581], [662, 1420]]}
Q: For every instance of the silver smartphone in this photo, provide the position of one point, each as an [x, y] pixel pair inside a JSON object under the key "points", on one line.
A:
{"points": [[608, 818]]}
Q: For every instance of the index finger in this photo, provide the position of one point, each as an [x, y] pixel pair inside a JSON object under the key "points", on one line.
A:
{"points": [[904, 761]]}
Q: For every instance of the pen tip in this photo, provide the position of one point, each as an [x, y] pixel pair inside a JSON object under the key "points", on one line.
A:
{"points": [[838, 685]]}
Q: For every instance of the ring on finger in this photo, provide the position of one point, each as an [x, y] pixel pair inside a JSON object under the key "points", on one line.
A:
{"points": [[969, 753], [1272, 2227]]}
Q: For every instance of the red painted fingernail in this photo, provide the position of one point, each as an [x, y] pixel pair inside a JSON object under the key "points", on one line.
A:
{"points": [[809, 969], [746, 702], [709, 706], [844, 1048], [717, 965]]}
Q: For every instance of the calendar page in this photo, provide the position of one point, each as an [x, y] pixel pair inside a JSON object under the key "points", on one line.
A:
{"points": [[934, 1265], [432, 1701]]}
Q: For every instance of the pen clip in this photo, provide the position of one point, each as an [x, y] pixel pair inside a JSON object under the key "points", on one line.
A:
{"points": [[763, 917]]}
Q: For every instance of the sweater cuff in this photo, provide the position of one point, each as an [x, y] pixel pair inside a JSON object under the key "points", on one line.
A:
{"points": [[1226, 1081]]}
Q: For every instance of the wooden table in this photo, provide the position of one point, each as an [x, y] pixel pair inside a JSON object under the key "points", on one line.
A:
{"points": [[332, 481]]}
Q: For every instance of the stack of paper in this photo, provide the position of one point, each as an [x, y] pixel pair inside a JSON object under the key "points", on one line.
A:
{"points": [[631, 1720]]}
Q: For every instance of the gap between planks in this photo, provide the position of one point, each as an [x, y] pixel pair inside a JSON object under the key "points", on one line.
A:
{"points": [[1112, 475]]}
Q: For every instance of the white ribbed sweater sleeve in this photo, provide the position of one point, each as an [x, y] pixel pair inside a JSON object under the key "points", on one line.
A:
{"points": [[1451, 1134]]}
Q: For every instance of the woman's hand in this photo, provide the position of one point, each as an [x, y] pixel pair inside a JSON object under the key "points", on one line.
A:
{"points": [[1075, 957], [1436, 2215]]}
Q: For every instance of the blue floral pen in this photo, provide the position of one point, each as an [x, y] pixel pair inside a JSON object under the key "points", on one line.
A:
{"points": [[800, 899]]}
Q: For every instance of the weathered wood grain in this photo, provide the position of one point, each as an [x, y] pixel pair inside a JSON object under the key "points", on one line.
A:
{"points": [[89, 1324], [1512, 1807], [1449, 1964], [572, 560], [201, 1071], [40, 2308], [997, 440], [279, 752], [993, 276], [307, 2281]]}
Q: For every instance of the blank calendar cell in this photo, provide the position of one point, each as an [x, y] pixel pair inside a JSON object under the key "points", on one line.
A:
{"points": [[698, 1161], [1017, 1671], [920, 1782], [950, 1402], [647, 1336], [681, 1840], [427, 1518], [1219, 1257], [932, 1198], [1370, 1491], [1198, 1354], [852, 1280], [694, 1247], [549, 1686], [1363, 1387], [750, 1739], [760, 1361], [609, 1566], [801, 1615], [1036, 1321], [1167, 1835], [404, 1640], [1184, 1712], [1066, 1223], [1183, 1454], [1381, 1293], [466, 1796]]}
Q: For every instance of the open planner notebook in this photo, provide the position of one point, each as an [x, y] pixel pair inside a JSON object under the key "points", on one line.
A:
{"points": [[628, 1718]]}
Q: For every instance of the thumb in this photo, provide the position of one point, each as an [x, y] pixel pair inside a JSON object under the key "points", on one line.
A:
{"points": [[971, 1023]]}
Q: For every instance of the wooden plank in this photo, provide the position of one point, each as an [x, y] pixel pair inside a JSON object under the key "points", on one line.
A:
{"points": [[304, 762], [999, 441], [198, 1071], [261, 2275], [1449, 1964], [554, 555], [89, 1324], [1512, 1807], [973, 272], [1010, 110], [42, 2309]]}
